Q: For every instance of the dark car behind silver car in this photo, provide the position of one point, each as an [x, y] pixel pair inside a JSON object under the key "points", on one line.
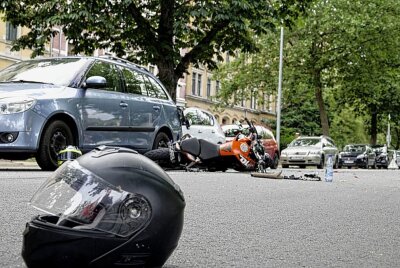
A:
{"points": [[357, 155], [47, 104]]}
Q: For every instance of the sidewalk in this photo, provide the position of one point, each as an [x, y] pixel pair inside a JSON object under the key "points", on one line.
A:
{"points": [[18, 164]]}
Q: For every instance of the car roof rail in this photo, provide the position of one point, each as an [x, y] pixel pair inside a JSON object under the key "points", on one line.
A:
{"points": [[110, 57]]}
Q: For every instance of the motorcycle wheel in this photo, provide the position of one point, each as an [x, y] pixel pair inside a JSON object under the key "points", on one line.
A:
{"points": [[160, 156]]}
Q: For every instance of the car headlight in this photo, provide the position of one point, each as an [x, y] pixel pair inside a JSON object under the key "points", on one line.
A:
{"points": [[284, 153], [360, 156], [15, 105]]}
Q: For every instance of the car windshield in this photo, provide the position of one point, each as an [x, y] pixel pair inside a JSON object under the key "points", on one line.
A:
{"points": [[306, 142], [354, 148], [380, 149], [50, 71]]}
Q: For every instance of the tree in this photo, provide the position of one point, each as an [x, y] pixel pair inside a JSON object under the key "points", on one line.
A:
{"points": [[346, 49], [168, 33]]}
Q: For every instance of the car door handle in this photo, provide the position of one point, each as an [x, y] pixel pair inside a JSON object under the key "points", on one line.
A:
{"points": [[123, 104], [156, 107], [200, 131], [213, 131]]}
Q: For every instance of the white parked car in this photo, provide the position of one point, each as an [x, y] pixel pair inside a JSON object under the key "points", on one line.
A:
{"points": [[309, 151], [203, 125]]}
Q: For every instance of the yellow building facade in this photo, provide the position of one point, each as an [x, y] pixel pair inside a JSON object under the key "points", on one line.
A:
{"points": [[200, 90], [8, 33]]}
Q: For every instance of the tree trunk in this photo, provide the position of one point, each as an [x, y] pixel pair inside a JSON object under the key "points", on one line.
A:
{"points": [[374, 126], [321, 105], [165, 56], [167, 76]]}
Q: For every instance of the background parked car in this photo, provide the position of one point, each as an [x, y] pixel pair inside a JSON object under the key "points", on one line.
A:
{"points": [[203, 125], [357, 155], [267, 138], [381, 156], [47, 104], [309, 151], [397, 157]]}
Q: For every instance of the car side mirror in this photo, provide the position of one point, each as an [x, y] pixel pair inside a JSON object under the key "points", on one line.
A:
{"points": [[95, 82]]}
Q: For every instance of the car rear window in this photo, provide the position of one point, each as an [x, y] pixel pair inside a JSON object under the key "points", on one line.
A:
{"points": [[197, 117]]}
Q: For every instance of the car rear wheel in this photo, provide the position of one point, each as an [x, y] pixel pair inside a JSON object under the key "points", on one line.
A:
{"points": [[56, 136], [161, 141], [321, 164], [366, 165]]}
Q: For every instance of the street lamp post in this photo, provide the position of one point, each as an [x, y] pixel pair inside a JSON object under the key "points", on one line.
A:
{"points": [[278, 108]]}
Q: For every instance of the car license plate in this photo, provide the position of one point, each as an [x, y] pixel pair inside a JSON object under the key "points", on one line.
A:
{"points": [[349, 161], [297, 158]]}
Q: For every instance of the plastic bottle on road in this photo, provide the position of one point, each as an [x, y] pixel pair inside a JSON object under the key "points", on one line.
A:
{"points": [[329, 169]]}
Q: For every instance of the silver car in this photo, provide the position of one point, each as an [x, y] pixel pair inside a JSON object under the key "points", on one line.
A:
{"points": [[47, 104], [309, 151], [203, 125]]}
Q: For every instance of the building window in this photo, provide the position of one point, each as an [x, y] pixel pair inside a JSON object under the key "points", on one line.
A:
{"points": [[208, 87], [11, 32], [217, 87], [199, 84], [264, 101], [271, 98], [194, 75], [196, 84], [253, 103]]}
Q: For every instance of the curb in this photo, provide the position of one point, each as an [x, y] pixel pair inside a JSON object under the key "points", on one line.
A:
{"points": [[13, 164]]}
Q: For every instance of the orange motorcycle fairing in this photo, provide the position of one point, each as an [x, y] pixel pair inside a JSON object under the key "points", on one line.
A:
{"points": [[241, 149]]}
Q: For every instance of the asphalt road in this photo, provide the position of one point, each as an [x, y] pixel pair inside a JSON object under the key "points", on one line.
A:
{"points": [[235, 220]]}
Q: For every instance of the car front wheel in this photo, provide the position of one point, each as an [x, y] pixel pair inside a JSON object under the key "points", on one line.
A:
{"points": [[56, 136], [321, 164]]}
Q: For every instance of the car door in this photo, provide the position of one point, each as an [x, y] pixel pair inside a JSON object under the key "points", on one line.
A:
{"points": [[144, 110], [104, 111], [169, 112]]}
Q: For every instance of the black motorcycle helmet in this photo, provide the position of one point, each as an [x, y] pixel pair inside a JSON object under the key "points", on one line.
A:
{"points": [[111, 207]]}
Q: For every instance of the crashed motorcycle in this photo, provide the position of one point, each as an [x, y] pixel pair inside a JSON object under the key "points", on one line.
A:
{"points": [[243, 153]]}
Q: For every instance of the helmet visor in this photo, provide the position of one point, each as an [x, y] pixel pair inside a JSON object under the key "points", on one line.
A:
{"points": [[82, 198]]}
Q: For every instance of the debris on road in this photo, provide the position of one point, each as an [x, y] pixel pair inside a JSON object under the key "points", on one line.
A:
{"points": [[278, 175]]}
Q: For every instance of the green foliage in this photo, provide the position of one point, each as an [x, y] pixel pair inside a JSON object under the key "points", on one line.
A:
{"points": [[344, 51], [347, 128], [152, 31]]}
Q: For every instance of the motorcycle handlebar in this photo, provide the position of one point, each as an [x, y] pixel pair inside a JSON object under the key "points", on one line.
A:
{"points": [[252, 128]]}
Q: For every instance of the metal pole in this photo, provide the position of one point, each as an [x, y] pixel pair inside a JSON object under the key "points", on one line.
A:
{"points": [[59, 42], [278, 108]]}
